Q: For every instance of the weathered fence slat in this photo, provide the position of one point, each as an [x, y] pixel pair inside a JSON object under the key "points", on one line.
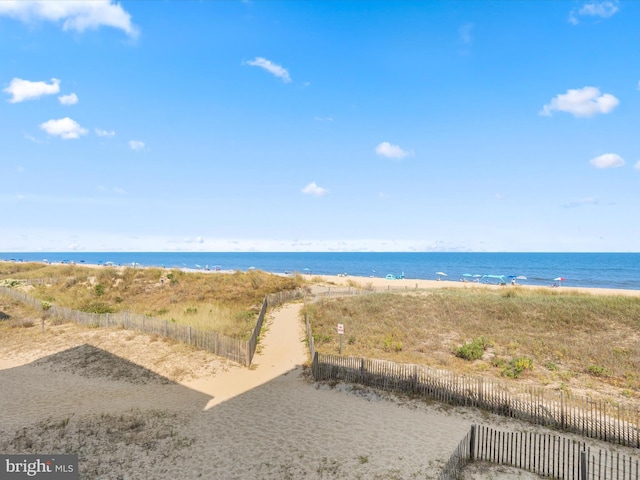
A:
{"points": [[544, 454], [617, 424]]}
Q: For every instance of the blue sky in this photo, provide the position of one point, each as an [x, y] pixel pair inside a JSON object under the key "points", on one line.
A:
{"points": [[319, 126]]}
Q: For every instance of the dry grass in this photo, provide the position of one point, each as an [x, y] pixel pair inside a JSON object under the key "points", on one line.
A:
{"points": [[570, 339], [225, 303]]}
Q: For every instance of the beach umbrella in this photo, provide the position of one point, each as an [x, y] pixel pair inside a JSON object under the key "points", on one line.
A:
{"points": [[441, 274], [521, 277], [467, 275], [559, 279]]}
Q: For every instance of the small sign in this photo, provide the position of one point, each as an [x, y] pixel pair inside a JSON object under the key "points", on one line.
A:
{"points": [[340, 329]]}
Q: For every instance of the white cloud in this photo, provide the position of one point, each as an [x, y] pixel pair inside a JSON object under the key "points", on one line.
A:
{"points": [[314, 189], [581, 202], [385, 149], [607, 160], [271, 67], [465, 32], [323, 119], [31, 138], [599, 9], [582, 102], [119, 190], [637, 165], [26, 90], [603, 9], [65, 128], [104, 133], [78, 15], [194, 240], [70, 99], [136, 145]]}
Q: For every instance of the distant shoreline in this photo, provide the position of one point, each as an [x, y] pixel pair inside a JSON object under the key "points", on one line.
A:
{"points": [[380, 283]]}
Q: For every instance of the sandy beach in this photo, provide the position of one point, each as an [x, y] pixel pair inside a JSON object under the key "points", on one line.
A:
{"points": [[135, 407], [379, 283]]}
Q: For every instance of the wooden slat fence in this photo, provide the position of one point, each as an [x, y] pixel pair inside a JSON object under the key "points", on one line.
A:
{"points": [[310, 341], [460, 458], [545, 454], [592, 418], [240, 351]]}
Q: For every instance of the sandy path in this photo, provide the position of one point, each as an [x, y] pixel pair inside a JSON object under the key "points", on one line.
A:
{"points": [[281, 350]]}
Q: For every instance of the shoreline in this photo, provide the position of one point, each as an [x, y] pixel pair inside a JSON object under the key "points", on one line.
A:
{"points": [[409, 284], [375, 282], [578, 269]]}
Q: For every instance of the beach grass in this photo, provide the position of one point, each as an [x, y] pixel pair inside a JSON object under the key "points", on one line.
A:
{"points": [[227, 303], [543, 335]]}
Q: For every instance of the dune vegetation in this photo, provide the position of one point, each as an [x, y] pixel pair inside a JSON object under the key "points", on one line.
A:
{"points": [[226, 303], [550, 337]]}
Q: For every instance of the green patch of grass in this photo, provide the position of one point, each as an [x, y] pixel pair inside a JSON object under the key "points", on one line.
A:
{"points": [[473, 350], [517, 367]]}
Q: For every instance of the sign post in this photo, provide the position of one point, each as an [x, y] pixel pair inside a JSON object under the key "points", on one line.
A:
{"points": [[340, 334]]}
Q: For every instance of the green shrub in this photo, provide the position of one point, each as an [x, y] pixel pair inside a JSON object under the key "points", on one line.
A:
{"points": [[517, 366], [473, 350], [598, 371], [97, 307], [320, 338]]}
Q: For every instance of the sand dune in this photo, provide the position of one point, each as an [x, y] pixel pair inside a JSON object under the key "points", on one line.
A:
{"points": [[133, 413]]}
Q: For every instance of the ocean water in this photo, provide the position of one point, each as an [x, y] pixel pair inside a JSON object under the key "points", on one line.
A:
{"points": [[594, 270]]}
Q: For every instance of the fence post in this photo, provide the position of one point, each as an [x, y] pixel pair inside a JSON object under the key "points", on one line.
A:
{"points": [[583, 465], [472, 443], [314, 366], [189, 334]]}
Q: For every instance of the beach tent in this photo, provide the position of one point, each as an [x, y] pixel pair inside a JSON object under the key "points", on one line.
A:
{"points": [[500, 279]]}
